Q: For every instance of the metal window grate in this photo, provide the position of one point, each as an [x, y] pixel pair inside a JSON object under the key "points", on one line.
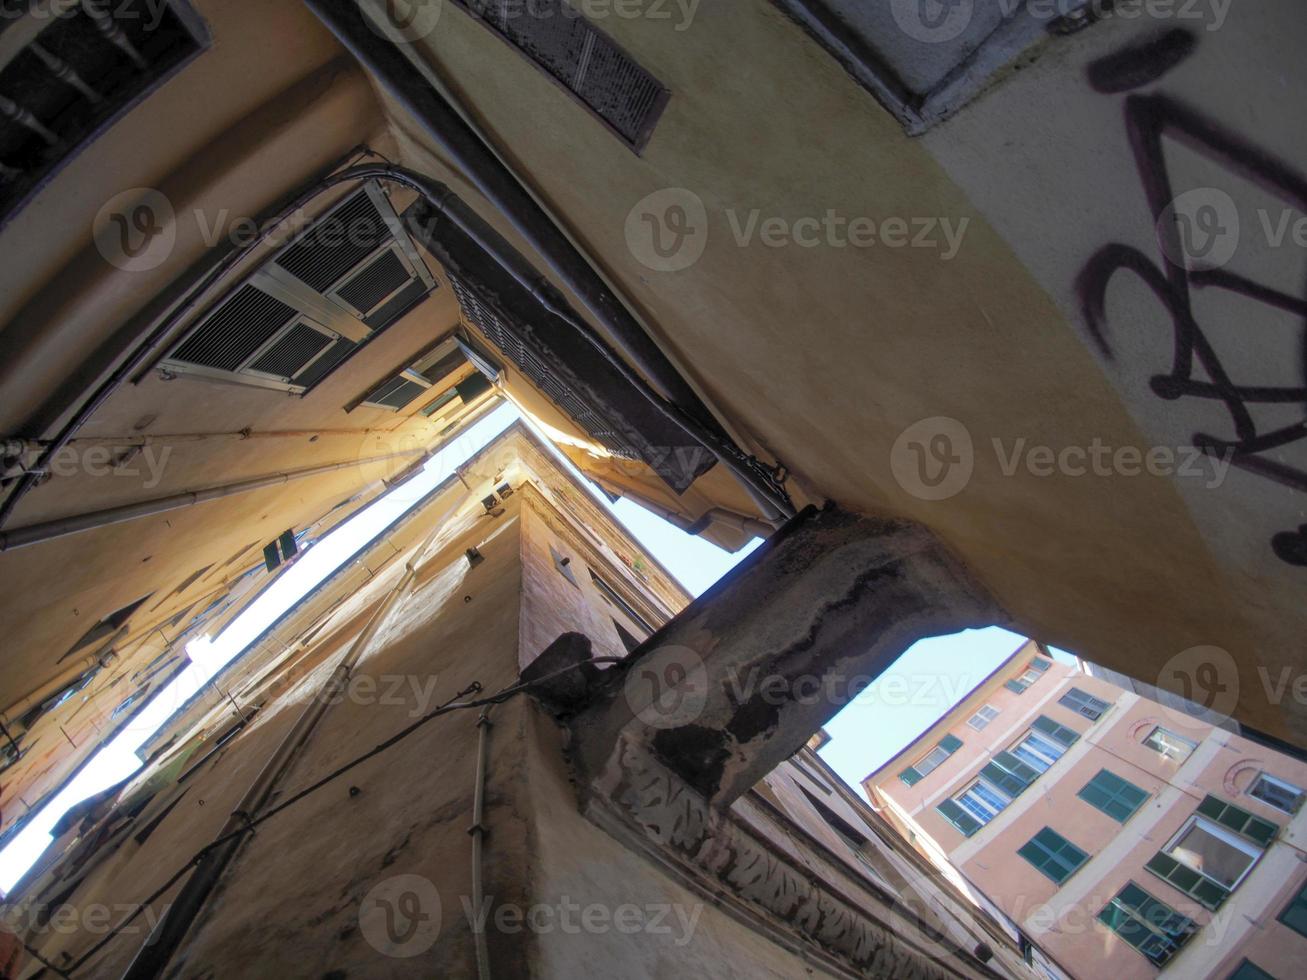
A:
{"points": [[336, 243], [375, 283], [235, 331], [291, 352], [66, 76], [582, 59]]}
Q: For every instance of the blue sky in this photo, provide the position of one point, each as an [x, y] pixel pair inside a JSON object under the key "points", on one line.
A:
{"points": [[924, 684]]}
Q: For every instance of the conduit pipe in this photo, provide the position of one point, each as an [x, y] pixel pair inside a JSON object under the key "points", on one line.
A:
{"points": [[478, 832], [162, 943], [49, 530]]}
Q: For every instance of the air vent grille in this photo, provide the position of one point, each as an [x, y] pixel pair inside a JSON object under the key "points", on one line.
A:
{"points": [[485, 319], [232, 334], [369, 288], [583, 59], [336, 244], [396, 393], [291, 352]]}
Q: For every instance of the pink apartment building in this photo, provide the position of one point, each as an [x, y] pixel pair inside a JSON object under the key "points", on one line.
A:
{"points": [[1124, 838]]}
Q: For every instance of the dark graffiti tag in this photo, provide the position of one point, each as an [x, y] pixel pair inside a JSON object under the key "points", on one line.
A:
{"points": [[1149, 120]]}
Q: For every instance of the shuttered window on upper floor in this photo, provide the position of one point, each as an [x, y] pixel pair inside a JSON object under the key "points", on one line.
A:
{"points": [[353, 272]]}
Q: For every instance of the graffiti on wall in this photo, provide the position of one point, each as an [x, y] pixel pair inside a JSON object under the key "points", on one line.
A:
{"points": [[1188, 243]]}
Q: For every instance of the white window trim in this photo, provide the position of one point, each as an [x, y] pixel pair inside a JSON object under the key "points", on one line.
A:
{"points": [[1178, 738], [984, 721], [921, 764], [1226, 836], [991, 788], [1042, 740], [1282, 784]]}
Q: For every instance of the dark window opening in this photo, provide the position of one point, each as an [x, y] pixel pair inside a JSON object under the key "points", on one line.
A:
{"points": [[621, 605], [628, 641]]}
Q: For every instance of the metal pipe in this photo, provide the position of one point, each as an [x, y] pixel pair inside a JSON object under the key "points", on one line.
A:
{"points": [[471, 155], [478, 832], [153, 957], [37, 533]]}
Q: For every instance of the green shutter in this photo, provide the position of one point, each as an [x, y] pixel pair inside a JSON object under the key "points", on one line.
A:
{"points": [[1295, 915], [1039, 663], [1016, 686], [959, 817], [1060, 733], [910, 776], [1023, 773], [1053, 855], [1206, 892], [950, 743], [1248, 970], [1113, 795], [1240, 821]]}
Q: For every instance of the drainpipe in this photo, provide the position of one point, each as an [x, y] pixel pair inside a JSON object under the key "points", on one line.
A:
{"points": [[478, 832], [49, 530], [153, 958]]}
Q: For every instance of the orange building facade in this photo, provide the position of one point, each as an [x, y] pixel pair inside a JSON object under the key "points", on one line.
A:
{"points": [[1123, 837]]}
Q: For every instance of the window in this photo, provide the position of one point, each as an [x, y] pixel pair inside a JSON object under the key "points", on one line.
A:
{"points": [[301, 314], [621, 605], [1053, 855], [446, 370], [1037, 752], [1295, 914], [1113, 795], [1084, 703], [977, 806], [983, 717], [93, 63], [931, 760], [1248, 970], [1010, 774], [1276, 792], [1031, 674], [283, 549], [1213, 852], [1170, 744], [1153, 928], [583, 60]]}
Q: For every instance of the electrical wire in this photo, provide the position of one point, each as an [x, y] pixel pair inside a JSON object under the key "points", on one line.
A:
{"points": [[448, 707]]}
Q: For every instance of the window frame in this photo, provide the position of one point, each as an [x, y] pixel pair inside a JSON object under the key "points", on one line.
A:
{"points": [[985, 720], [1225, 836], [1169, 941], [1164, 731], [1084, 704], [989, 810], [1298, 902], [1265, 776]]}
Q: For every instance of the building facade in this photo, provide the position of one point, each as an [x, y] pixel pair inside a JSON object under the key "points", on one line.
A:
{"points": [[1124, 836], [360, 863]]}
